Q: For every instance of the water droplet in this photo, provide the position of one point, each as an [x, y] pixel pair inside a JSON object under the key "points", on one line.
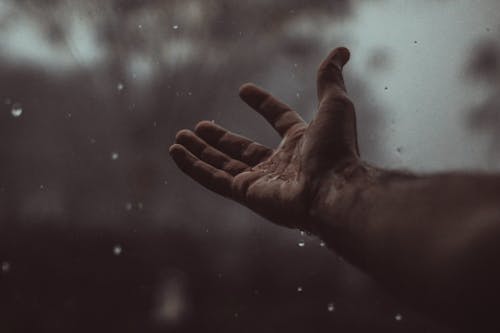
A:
{"points": [[17, 110], [92, 140], [299, 289], [114, 156], [117, 250], [175, 27], [128, 206], [322, 244], [120, 86], [42, 187], [415, 42], [399, 149], [140, 205], [139, 26], [386, 88], [5, 266], [331, 307], [301, 243], [298, 95], [236, 315], [398, 317], [302, 233]]}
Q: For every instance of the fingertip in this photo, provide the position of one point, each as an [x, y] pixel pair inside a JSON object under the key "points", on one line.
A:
{"points": [[184, 133], [247, 89], [176, 150], [342, 55], [203, 126], [253, 95], [338, 56]]}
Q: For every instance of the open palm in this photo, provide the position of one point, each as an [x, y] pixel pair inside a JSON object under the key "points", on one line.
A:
{"points": [[280, 184]]}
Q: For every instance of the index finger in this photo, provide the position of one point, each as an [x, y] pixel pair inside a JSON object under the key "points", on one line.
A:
{"points": [[278, 114]]}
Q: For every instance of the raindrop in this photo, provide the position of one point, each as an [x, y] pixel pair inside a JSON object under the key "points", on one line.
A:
{"points": [[139, 26], [415, 42], [301, 243], [299, 289], [298, 95], [331, 307], [399, 150], [140, 205], [42, 187], [5, 267], [386, 88], [322, 244], [128, 206], [17, 110], [114, 156], [120, 86], [92, 140], [175, 27], [117, 250], [398, 317], [302, 233]]}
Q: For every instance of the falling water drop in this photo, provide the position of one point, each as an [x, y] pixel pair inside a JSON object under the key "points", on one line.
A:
{"points": [[117, 250], [301, 243], [5, 267], [331, 307], [17, 110]]}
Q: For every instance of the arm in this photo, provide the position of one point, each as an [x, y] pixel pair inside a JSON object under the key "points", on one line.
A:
{"points": [[432, 240]]}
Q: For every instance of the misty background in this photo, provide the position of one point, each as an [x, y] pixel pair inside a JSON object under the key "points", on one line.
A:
{"points": [[98, 229]]}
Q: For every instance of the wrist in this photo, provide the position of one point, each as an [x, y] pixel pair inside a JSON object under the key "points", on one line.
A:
{"points": [[336, 192]]}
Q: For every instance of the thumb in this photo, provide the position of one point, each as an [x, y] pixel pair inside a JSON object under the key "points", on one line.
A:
{"points": [[330, 79], [332, 137]]}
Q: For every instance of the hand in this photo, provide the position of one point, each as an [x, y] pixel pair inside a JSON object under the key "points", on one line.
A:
{"points": [[281, 184]]}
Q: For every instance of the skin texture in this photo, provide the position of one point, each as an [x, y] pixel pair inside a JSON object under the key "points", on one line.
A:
{"points": [[431, 240]]}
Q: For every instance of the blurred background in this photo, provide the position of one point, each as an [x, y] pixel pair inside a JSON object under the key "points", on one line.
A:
{"points": [[98, 229]]}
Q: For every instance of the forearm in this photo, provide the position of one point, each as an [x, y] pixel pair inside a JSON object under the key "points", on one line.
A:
{"points": [[431, 239]]}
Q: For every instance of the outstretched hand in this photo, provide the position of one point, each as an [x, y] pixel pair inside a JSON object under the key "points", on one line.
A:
{"points": [[280, 184]]}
